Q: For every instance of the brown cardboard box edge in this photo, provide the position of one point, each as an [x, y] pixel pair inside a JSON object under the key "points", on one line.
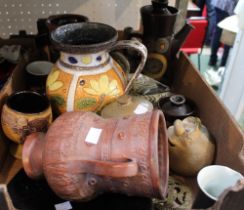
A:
{"points": [[14, 83], [213, 113], [11, 85], [5, 201]]}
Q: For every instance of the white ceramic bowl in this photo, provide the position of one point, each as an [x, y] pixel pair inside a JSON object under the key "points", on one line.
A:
{"points": [[214, 179]]}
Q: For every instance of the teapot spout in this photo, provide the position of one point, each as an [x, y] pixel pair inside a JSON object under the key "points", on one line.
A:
{"points": [[180, 38]]}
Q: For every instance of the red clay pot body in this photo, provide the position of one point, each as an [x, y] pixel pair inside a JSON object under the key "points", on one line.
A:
{"points": [[130, 155]]}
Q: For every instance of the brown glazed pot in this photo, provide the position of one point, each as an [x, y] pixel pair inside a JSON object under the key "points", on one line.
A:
{"points": [[130, 155]]}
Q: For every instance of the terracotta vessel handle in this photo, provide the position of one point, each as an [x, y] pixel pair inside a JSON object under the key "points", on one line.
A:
{"points": [[33, 165], [112, 168], [115, 168], [137, 46]]}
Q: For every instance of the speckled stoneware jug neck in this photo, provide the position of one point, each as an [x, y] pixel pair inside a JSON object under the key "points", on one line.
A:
{"points": [[86, 61]]}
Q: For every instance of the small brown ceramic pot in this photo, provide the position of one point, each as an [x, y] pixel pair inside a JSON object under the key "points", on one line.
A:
{"points": [[176, 107], [23, 113], [83, 155]]}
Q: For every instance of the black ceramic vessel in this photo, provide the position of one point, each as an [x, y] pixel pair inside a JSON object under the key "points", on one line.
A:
{"points": [[158, 14], [176, 107], [158, 23]]}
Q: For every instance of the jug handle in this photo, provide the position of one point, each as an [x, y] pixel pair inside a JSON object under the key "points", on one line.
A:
{"points": [[137, 46], [113, 168], [122, 61]]}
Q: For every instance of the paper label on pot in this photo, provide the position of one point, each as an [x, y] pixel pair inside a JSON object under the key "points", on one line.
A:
{"points": [[63, 206], [93, 135], [141, 109]]}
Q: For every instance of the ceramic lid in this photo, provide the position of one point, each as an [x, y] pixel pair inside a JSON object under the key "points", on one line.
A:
{"points": [[177, 106], [126, 106]]}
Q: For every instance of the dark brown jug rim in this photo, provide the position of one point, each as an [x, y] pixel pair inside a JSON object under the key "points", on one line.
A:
{"points": [[54, 19], [68, 38]]}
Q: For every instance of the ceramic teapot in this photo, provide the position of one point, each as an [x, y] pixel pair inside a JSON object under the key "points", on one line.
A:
{"points": [[83, 155], [190, 146], [158, 23], [86, 77]]}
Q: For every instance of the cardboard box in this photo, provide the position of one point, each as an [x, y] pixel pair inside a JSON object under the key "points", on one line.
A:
{"points": [[215, 116], [226, 132], [15, 80], [5, 201]]}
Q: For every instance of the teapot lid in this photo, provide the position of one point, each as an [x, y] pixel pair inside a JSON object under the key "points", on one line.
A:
{"points": [[125, 106], [177, 106]]}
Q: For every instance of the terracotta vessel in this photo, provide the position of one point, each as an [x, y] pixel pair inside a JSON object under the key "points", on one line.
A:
{"points": [[190, 146], [23, 113], [83, 155], [86, 77]]}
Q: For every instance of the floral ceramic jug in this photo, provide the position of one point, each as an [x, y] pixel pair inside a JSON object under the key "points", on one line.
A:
{"points": [[86, 77]]}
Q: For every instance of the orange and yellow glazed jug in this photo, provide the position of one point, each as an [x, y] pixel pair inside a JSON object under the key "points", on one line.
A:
{"points": [[86, 77]]}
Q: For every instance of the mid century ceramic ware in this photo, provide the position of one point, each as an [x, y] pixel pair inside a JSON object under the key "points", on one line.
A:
{"points": [[176, 107], [23, 113], [83, 155], [190, 146], [86, 77], [158, 22], [150, 89], [126, 106], [36, 75]]}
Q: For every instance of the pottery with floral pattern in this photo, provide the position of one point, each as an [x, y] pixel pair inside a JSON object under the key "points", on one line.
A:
{"points": [[24, 112], [86, 77]]}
